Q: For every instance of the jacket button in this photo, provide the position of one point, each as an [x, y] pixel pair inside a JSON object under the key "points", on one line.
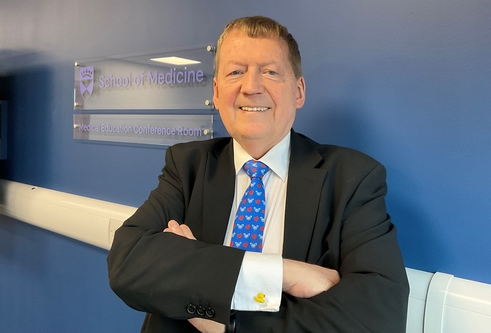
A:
{"points": [[210, 313], [191, 308], [201, 311]]}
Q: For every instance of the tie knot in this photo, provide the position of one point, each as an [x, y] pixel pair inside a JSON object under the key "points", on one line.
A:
{"points": [[255, 169]]}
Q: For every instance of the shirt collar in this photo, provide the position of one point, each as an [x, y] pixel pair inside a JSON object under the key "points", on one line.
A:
{"points": [[276, 158]]}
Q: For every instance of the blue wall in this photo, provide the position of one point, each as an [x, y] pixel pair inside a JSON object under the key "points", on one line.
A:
{"points": [[408, 83]]}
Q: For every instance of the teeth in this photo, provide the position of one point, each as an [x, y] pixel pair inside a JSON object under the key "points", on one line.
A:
{"points": [[254, 109]]}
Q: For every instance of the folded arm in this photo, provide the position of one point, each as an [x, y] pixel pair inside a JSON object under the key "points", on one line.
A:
{"points": [[372, 293], [300, 279]]}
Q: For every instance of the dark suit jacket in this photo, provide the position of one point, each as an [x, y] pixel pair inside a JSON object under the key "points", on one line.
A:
{"points": [[335, 217]]}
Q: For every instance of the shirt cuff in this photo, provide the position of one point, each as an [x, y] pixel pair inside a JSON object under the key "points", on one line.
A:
{"points": [[259, 285]]}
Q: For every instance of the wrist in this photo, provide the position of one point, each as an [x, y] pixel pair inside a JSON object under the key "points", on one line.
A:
{"points": [[286, 275]]}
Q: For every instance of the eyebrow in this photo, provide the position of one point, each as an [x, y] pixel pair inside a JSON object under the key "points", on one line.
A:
{"points": [[232, 62]]}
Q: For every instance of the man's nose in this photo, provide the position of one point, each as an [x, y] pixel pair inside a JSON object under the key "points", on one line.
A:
{"points": [[252, 83]]}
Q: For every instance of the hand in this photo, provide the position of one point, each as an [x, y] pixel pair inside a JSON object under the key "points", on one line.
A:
{"points": [[207, 326], [179, 229], [305, 280]]}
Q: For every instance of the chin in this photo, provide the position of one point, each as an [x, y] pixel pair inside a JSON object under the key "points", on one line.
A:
{"points": [[253, 133]]}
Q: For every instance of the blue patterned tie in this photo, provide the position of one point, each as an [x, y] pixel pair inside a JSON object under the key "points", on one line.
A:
{"points": [[248, 228]]}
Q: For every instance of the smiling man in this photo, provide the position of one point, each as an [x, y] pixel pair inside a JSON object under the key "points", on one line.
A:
{"points": [[266, 231], [256, 90]]}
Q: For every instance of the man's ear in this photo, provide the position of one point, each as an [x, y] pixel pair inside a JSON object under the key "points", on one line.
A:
{"points": [[215, 92], [300, 100]]}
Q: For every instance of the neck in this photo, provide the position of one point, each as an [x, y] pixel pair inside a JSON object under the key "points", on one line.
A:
{"points": [[255, 150], [258, 148]]}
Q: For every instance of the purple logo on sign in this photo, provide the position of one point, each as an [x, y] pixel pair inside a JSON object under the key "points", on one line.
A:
{"points": [[86, 81]]}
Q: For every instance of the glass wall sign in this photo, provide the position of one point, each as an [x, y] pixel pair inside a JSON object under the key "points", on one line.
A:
{"points": [[153, 129], [175, 79]]}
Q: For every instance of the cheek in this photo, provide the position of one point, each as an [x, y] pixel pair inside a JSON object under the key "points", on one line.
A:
{"points": [[228, 119], [284, 95], [225, 98]]}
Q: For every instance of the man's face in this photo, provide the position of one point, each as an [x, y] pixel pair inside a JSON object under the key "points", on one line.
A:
{"points": [[256, 91]]}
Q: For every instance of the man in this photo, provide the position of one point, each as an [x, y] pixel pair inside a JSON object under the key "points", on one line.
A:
{"points": [[329, 260]]}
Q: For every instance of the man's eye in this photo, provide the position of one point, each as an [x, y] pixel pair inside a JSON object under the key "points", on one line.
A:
{"points": [[270, 72], [236, 72]]}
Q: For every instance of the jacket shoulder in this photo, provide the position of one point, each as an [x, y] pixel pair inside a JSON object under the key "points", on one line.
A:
{"points": [[333, 154], [199, 149]]}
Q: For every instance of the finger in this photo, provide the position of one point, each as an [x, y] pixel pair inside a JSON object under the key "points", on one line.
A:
{"points": [[178, 231], [172, 223], [175, 228], [187, 232]]}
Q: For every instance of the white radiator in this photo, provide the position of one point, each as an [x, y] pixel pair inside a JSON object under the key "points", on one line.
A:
{"points": [[438, 303]]}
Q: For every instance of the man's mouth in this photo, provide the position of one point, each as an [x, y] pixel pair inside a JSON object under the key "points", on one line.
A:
{"points": [[254, 109]]}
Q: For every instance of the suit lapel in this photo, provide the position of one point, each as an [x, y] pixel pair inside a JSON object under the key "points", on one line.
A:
{"points": [[218, 193], [305, 181]]}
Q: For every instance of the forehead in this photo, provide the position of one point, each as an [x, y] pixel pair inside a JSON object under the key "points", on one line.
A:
{"points": [[238, 46]]}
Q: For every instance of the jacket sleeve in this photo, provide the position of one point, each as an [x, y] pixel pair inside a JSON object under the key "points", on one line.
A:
{"points": [[165, 274], [361, 244]]}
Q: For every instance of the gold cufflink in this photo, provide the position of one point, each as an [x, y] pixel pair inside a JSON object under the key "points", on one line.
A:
{"points": [[260, 298]]}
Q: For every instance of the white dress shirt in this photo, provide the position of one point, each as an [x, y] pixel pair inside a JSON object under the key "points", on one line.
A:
{"points": [[259, 285]]}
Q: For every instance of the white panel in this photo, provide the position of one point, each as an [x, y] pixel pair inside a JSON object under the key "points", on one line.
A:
{"points": [[469, 295], [435, 300], [467, 307], [415, 315], [419, 282], [78, 217], [462, 321]]}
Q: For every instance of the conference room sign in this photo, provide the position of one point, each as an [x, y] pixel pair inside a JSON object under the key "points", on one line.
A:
{"points": [[161, 98]]}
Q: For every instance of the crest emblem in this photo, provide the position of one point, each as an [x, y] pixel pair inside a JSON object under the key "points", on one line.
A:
{"points": [[86, 79]]}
